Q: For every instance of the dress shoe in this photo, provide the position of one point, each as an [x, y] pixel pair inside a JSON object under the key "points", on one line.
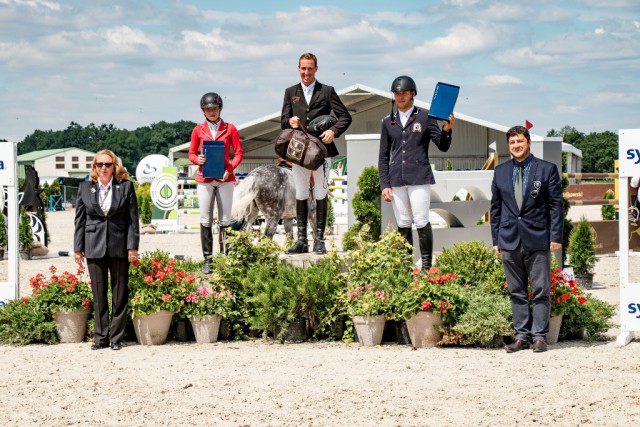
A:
{"points": [[96, 346], [517, 345], [539, 346], [116, 346]]}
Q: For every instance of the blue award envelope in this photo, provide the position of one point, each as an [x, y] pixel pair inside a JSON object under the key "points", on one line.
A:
{"points": [[214, 154], [444, 99]]}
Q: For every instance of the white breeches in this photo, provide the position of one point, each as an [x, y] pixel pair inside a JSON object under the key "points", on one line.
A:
{"points": [[411, 203], [208, 193], [301, 178]]}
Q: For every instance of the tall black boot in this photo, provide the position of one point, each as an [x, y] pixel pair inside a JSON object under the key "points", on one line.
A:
{"points": [[321, 223], [302, 244], [222, 239], [206, 240], [425, 237], [407, 233]]}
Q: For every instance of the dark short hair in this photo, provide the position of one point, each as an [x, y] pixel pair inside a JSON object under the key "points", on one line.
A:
{"points": [[309, 56], [518, 130]]}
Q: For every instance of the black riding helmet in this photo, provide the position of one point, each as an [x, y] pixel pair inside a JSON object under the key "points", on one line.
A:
{"points": [[210, 100], [401, 83]]}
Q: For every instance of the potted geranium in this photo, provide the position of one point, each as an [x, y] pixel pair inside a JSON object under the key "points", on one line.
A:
{"points": [[368, 306], [156, 292], [429, 303], [566, 298], [68, 297], [205, 309]]}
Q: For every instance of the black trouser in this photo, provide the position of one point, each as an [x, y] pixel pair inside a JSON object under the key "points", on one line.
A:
{"points": [[99, 271]]}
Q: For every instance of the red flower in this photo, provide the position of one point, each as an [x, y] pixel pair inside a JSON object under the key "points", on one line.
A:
{"points": [[148, 279], [166, 297], [86, 303], [24, 300], [136, 262], [582, 300], [52, 269], [565, 297], [191, 278], [416, 271], [426, 306]]}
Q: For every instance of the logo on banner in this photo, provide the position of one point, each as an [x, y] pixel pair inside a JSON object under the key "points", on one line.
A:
{"points": [[164, 191], [150, 166]]}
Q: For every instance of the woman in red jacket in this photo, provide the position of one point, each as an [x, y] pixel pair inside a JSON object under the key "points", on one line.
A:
{"points": [[214, 129]]}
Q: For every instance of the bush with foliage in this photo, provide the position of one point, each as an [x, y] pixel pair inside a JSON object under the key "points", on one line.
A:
{"points": [[25, 321], [3, 231], [486, 319], [25, 234], [366, 207], [582, 252], [608, 211], [594, 317], [473, 264], [145, 204]]}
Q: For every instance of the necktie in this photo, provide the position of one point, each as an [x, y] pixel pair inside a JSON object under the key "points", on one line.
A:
{"points": [[104, 192], [517, 189]]}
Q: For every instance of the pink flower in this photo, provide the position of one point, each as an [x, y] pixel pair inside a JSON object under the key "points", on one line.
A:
{"points": [[369, 286], [352, 294], [166, 297], [203, 291], [192, 297], [148, 280]]}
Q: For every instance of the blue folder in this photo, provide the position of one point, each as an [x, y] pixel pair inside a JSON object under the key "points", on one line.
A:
{"points": [[214, 154], [444, 99]]}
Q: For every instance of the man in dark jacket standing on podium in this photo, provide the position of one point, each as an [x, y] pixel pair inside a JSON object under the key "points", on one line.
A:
{"points": [[304, 102], [526, 225]]}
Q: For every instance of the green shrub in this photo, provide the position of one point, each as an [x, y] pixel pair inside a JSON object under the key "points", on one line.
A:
{"points": [[472, 262], [3, 231], [357, 235], [608, 211], [26, 235], [594, 317], [26, 321], [486, 319], [145, 204], [582, 252], [366, 207]]}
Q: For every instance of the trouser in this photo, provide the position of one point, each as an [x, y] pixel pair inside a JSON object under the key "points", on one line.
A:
{"points": [[208, 193], [519, 266], [99, 271]]}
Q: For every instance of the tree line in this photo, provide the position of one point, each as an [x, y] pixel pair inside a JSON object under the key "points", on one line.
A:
{"points": [[130, 145], [599, 149]]}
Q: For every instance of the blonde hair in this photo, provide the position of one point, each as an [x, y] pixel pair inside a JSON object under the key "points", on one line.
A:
{"points": [[119, 173]]}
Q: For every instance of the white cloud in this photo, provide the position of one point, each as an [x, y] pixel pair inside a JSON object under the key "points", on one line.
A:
{"points": [[462, 39], [500, 80], [568, 109], [524, 57]]}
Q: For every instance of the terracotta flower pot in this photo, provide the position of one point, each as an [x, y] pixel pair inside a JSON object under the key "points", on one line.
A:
{"points": [[369, 329], [422, 329], [554, 329], [206, 328], [71, 326], [152, 329]]}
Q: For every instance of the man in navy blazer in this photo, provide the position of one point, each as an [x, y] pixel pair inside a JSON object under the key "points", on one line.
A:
{"points": [[526, 225]]}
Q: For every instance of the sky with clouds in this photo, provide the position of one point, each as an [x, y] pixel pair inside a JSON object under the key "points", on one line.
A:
{"points": [[132, 63]]}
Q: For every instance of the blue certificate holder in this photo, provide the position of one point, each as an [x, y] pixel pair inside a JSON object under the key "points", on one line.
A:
{"points": [[214, 154], [444, 100]]}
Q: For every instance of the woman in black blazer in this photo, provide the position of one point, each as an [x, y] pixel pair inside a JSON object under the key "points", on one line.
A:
{"points": [[107, 233]]}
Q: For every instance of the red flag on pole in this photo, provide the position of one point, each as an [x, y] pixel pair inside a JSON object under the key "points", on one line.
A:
{"points": [[528, 124]]}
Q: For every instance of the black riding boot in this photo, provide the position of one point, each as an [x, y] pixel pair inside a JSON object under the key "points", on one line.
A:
{"points": [[302, 212], [206, 240], [222, 239], [407, 233], [321, 223], [425, 237]]}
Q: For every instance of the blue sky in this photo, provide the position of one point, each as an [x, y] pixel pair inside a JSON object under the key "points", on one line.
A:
{"points": [[133, 63]]}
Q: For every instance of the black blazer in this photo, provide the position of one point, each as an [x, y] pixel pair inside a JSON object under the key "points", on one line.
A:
{"points": [[96, 234], [539, 221], [323, 100], [403, 158]]}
